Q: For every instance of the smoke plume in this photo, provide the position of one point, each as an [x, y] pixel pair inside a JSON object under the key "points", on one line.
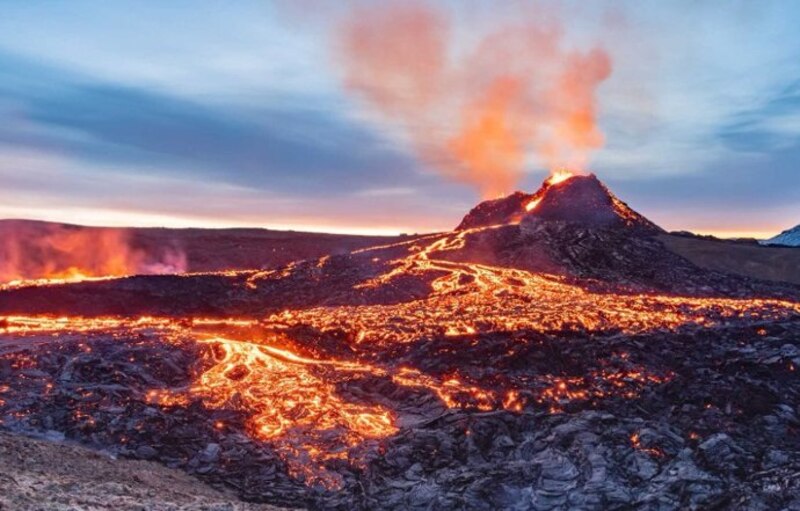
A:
{"points": [[476, 114], [30, 250]]}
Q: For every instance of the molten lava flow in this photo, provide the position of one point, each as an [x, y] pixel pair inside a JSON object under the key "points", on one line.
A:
{"points": [[292, 401], [320, 385], [559, 176], [453, 392], [532, 204], [295, 403], [54, 280], [637, 444], [470, 297]]}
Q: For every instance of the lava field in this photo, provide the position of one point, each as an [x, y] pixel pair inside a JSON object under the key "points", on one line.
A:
{"points": [[528, 360]]}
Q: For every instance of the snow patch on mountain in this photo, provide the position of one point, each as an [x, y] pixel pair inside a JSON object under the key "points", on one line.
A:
{"points": [[789, 237]]}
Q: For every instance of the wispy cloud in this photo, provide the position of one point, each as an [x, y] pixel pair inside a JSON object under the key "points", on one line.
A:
{"points": [[236, 114]]}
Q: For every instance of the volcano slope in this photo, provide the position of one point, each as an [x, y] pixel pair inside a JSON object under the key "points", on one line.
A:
{"points": [[548, 354]]}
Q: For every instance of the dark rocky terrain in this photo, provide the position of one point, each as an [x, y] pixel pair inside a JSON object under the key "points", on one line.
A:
{"points": [[775, 263]]}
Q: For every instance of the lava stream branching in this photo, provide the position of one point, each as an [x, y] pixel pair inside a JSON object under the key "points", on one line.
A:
{"points": [[447, 355], [293, 401], [470, 298], [318, 404]]}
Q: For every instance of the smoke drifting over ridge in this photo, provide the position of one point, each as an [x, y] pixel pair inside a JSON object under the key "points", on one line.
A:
{"points": [[476, 114], [40, 250]]}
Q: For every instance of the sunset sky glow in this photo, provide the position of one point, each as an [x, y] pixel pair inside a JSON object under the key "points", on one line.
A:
{"points": [[212, 113]]}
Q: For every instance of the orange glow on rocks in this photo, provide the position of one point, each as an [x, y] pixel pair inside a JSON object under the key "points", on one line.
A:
{"points": [[295, 397], [532, 204]]}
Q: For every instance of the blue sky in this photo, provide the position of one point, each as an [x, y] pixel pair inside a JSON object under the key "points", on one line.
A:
{"points": [[214, 113]]}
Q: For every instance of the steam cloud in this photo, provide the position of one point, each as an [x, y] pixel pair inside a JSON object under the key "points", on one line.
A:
{"points": [[476, 115], [34, 251]]}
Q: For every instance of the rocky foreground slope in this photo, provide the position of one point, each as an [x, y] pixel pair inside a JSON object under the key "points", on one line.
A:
{"points": [[50, 475]]}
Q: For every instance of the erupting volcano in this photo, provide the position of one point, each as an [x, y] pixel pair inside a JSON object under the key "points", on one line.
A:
{"points": [[563, 197], [319, 269], [549, 353]]}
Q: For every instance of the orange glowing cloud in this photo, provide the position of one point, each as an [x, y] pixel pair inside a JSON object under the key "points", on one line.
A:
{"points": [[475, 115], [29, 250]]}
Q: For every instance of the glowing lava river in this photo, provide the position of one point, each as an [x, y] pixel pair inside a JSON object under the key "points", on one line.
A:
{"points": [[482, 388]]}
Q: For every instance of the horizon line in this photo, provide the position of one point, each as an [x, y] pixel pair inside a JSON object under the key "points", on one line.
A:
{"points": [[177, 223]]}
